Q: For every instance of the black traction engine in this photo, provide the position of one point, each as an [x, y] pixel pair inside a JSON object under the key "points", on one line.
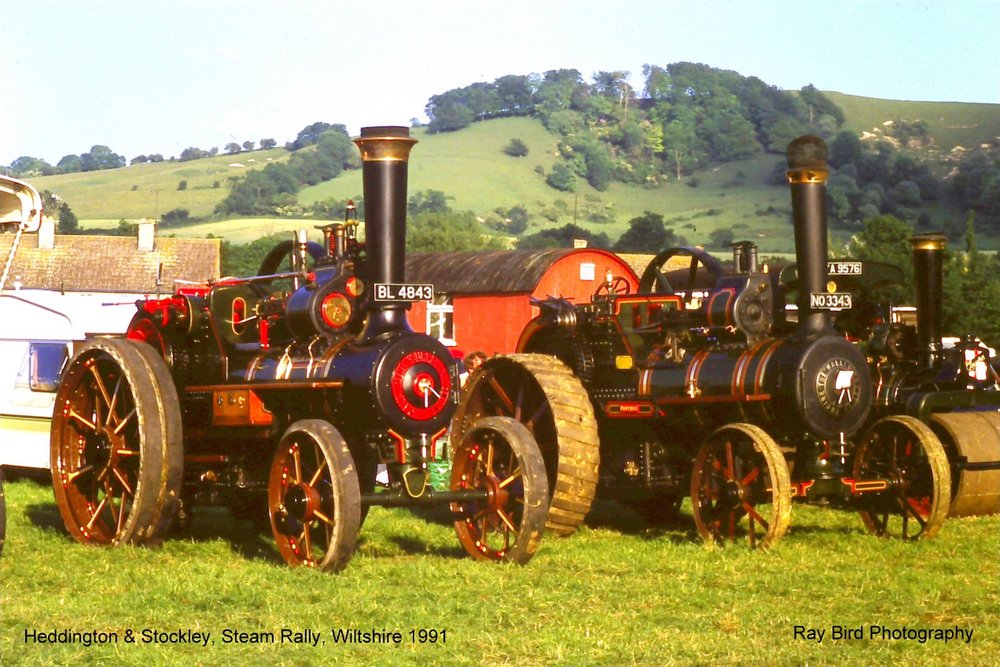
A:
{"points": [[667, 393]]}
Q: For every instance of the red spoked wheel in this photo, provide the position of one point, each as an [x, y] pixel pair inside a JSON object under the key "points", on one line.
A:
{"points": [[905, 452], [314, 499], [499, 456], [116, 450], [740, 487]]}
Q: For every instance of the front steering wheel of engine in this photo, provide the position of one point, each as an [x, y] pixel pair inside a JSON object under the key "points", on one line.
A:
{"points": [[654, 278]]}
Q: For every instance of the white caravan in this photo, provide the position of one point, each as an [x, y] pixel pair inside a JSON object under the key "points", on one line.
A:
{"points": [[38, 329]]}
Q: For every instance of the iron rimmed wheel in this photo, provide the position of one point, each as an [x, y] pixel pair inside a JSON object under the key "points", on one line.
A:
{"points": [[541, 392], [169, 406], [905, 453], [740, 487], [499, 456], [115, 445], [313, 496]]}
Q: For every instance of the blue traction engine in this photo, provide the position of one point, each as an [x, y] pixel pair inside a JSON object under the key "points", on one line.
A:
{"points": [[281, 394]]}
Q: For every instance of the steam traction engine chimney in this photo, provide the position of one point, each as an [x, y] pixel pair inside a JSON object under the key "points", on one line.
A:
{"points": [[928, 255], [385, 152], [807, 174]]}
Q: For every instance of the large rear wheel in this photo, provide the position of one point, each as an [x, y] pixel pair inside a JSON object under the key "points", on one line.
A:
{"points": [[116, 445]]}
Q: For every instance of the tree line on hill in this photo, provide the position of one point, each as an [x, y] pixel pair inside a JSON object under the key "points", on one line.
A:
{"points": [[102, 157], [691, 116], [687, 117]]}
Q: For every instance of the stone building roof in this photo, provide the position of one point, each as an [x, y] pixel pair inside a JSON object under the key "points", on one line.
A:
{"points": [[109, 263]]}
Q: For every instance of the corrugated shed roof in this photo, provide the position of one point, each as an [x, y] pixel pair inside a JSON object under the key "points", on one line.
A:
{"points": [[486, 271], [110, 263], [493, 271]]}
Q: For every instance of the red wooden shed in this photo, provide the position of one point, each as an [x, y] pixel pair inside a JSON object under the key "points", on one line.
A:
{"points": [[482, 297]]}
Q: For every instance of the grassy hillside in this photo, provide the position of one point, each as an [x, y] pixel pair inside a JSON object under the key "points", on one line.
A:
{"points": [[150, 190], [471, 168], [951, 123]]}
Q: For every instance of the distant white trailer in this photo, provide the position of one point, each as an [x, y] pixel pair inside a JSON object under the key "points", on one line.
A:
{"points": [[39, 330]]}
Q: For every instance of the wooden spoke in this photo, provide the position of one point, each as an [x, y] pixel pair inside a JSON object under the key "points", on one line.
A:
{"points": [[501, 394], [516, 475]]}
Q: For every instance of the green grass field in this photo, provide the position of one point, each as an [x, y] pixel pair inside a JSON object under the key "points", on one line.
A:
{"points": [[616, 593]]}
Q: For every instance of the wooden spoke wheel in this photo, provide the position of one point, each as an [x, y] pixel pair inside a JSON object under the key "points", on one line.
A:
{"points": [[740, 488], [313, 497], [905, 453], [116, 448], [498, 455], [654, 277], [542, 393]]}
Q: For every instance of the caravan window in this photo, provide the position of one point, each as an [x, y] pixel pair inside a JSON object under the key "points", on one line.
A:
{"points": [[45, 365]]}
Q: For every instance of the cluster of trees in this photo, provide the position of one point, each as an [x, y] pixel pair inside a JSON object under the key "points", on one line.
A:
{"points": [[646, 233], [971, 303], [976, 184], [233, 148], [689, 116], [869, 180], [325, 150], [98, 157], [102, 157]]}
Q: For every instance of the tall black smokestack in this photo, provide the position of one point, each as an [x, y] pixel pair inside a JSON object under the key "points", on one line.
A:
{"points": [[928, 274], [385, 152], [807, 174]]}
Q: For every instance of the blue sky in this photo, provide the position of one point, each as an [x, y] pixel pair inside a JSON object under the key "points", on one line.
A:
{"points": [[157, 77]]}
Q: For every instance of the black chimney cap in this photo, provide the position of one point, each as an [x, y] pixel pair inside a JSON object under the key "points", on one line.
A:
{"points": [[385, 131], [807, 152]]}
